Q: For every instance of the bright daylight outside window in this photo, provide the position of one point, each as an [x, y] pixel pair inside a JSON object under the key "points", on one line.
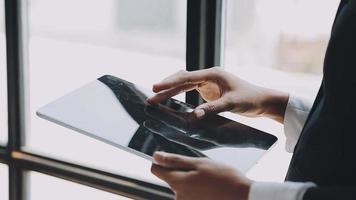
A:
{"points": [[74, 42], [3, 94], [279, 41], [58, 189], [4, 183], [278, 44]]}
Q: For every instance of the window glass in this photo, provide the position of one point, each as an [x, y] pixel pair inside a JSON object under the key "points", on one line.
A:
{"points": [[4, 182], [278, 44], [74, 42], [3, 94], [285, 41], [58, 189]]}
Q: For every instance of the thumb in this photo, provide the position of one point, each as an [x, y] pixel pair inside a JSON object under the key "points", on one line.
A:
{"points": [[212, 107], [174, 161]]}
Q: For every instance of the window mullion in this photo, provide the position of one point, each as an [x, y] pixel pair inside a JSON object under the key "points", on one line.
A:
{"points": [[16, 52], [204, 38]]}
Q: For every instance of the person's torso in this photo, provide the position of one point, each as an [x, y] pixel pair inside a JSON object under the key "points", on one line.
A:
{"points": [[325, 151]]}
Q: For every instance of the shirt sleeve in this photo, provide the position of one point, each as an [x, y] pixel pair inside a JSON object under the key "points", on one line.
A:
{"points": [[279, 191], [296, 114]]}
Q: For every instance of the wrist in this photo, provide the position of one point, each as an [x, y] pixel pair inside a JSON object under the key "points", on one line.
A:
{"points": [[274, 105], [245, 189], [242, 187]]}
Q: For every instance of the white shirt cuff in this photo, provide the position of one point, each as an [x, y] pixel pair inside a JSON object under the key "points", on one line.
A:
{"points": [[279, 191], [296, 114]]}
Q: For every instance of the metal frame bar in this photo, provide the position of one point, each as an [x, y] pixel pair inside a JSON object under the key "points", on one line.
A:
{"points": [[15, 52], [204, 38], [15, 49], [20, 162], [91, 177], [204, 50]]}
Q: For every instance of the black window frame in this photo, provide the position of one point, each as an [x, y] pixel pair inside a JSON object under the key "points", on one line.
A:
{"points": [[203, 50]]}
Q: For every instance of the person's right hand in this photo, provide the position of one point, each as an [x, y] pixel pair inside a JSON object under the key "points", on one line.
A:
{"points": [[223, 92]]}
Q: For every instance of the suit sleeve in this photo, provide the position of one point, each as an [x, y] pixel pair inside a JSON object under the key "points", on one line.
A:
{"points": [[330, 193], [297, 111]]}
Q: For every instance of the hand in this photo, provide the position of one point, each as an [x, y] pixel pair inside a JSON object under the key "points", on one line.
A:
{"points": [[200, 178], [223, 92]]}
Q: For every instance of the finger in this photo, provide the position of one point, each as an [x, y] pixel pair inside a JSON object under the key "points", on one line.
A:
{"points": [[170, 93], [182, 78], [174, 161], [213, 107], [166, 174]]}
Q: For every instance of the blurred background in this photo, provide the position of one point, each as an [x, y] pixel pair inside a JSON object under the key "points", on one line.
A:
{"points": [[275, 43]]}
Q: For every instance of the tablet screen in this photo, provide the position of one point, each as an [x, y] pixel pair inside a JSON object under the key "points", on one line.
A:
{"points": [[116, 111]]}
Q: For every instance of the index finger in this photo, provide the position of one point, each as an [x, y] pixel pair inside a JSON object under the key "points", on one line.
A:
{"points": [[170, 93], [183, 78]]}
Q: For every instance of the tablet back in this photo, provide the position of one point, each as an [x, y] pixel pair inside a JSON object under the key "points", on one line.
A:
{"points": [[115, 111]]}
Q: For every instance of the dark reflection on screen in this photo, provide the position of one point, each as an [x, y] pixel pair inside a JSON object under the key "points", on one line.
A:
{"points": [[170, 126]]}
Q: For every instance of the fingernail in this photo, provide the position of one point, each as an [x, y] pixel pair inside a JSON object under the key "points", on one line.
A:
{"points": [[158, 152], [150, 100], [199, 113], [154, 88], [158, 155]]}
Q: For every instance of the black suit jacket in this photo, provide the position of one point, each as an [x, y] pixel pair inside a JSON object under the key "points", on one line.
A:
{"points": [[326, 150]]}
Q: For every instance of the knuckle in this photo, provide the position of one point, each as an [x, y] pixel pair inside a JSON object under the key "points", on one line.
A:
{"points": [[202, 169], [175, 183], [217, 70], [202, 163], [205, 169], [183, 76], [181, 71], [187, 80], [172, 160], [229, 102], [211, 107]]}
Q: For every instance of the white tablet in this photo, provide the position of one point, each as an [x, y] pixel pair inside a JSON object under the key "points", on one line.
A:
{"points": [[115, 111]]}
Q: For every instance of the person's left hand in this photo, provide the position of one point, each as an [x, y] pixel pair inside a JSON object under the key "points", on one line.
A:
{"points": [[200, 178]]}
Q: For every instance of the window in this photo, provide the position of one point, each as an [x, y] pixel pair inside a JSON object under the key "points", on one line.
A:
{"points": [[138, 40], [4, 187], [3, 95], [286, 48], [285, 44], [73, 42], [58, 189]]}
